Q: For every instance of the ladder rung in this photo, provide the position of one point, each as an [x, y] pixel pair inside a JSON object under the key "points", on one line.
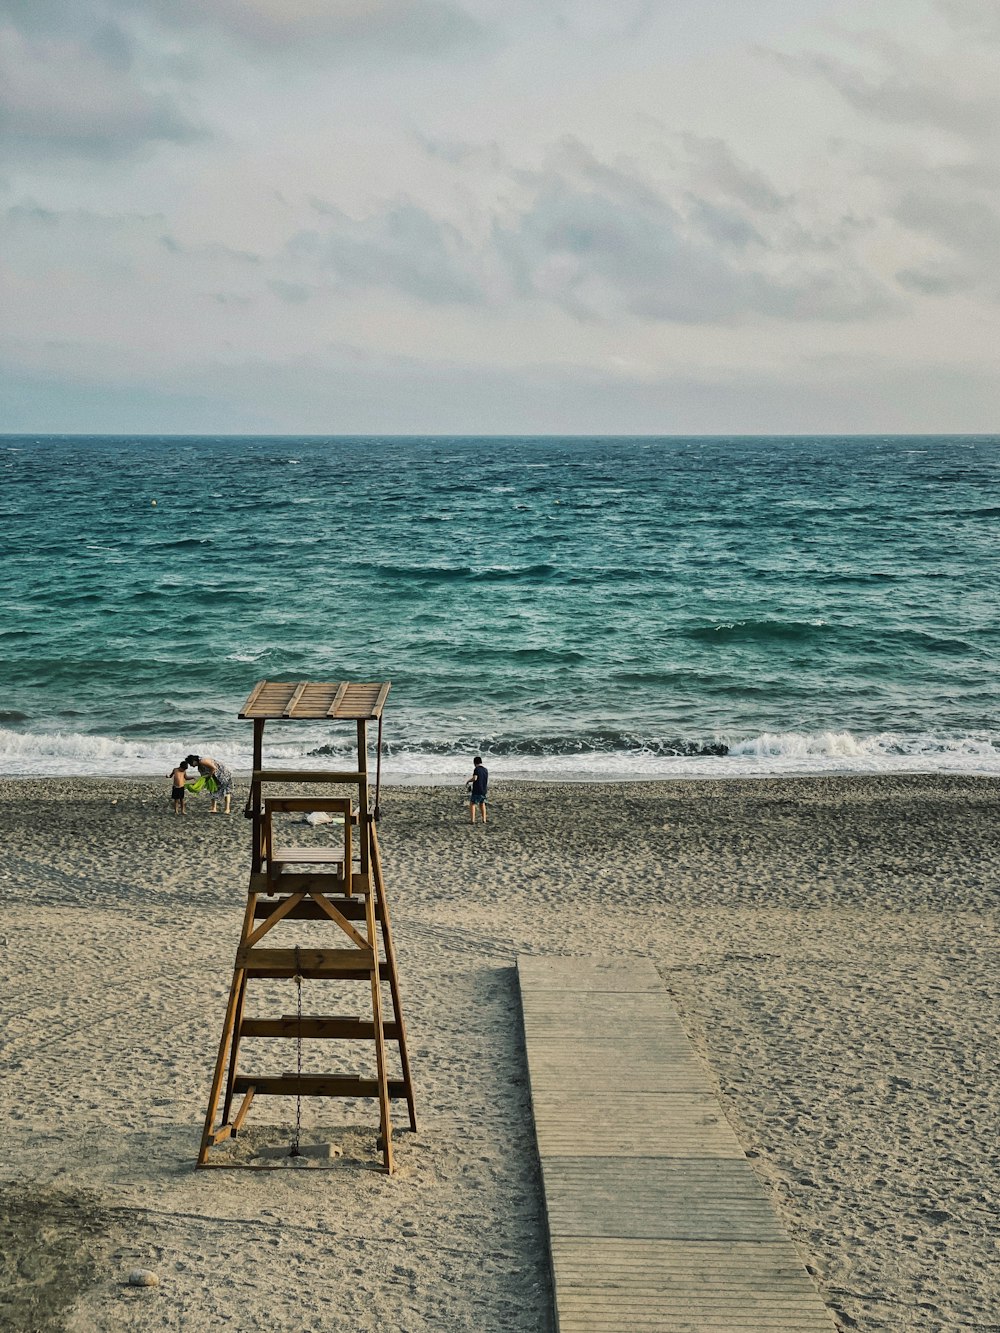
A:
{"points": [[317, 1026], [358, 960], [352, 908], [336, 964], [292, 881], [315, 1085]]}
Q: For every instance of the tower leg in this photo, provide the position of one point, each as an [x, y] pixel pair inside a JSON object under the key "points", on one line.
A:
{"points": [[235, 993], [234, 1051], [378, 887], [383, 1074]]}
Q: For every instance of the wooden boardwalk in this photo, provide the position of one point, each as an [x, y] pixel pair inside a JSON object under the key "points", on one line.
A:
{"points": [[656, 1219]]}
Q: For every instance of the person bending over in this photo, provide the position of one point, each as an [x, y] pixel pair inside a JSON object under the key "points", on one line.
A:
{"points": [[219, 775]]}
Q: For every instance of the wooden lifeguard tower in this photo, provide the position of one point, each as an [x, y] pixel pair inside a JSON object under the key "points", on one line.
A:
{"points": [[337, 883]]}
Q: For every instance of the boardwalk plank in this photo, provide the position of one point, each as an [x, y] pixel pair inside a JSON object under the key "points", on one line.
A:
{"points": [[588, 974], [656, 1219], [641, 1123]]}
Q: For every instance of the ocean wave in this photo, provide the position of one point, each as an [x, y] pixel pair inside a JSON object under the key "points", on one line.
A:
{"points": [[422, 573], [527, 656], [453, 573], [729, 631], [611, 754], [793, 631], [182, 543], [860, 580], [513, 573], [70, 752], [844, 745], [554, 746]]}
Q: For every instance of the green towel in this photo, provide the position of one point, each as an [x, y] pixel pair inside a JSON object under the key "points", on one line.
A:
{"points": [[206, 783]]}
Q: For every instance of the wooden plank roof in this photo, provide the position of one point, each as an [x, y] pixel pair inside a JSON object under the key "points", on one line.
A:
{"points": [[302, 700]]}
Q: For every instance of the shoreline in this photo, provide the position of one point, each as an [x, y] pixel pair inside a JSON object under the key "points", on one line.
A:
{"points": [[831, 944], [763, 754], [498, 776]]}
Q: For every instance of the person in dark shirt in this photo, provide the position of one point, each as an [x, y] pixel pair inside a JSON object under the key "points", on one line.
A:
{"points": [[477, 788]]}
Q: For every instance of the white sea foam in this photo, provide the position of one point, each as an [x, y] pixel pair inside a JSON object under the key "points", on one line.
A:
{"points": [[67, 754]]}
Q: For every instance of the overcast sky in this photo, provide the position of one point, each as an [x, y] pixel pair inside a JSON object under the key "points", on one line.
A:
{"points": [[512, 216]]}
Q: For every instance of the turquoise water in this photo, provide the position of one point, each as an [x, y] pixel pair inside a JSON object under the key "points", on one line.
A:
{"points": [[569, 607]]}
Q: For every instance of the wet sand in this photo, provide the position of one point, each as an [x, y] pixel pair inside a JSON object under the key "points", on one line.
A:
{"points": [[831, 944]]}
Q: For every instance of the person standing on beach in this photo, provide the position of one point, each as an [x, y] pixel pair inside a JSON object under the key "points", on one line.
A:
{"points": [[220, 780], [477, 788], [177, 777]]}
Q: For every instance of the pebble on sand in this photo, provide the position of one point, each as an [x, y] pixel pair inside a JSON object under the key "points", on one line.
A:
{"points": [[143, 1277]]}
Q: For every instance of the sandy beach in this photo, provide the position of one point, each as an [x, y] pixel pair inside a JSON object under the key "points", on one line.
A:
{"points": [[832, 945]]}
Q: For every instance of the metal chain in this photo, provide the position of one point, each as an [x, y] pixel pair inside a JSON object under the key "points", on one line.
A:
{"points": [[298, 1052]]}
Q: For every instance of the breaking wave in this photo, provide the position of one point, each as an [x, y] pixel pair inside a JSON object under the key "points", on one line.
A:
{"points": [[595, 756]]}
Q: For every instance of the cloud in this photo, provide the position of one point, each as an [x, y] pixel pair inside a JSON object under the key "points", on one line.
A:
{"points": [[968, 226], [715, 167], [979, 18], [928, 140], [79, 88], [962, 234], [936, 279], [419, 26], [105, 79], [714, 243], [294, 293], [908, 90], [601, 240], [400, 247]]}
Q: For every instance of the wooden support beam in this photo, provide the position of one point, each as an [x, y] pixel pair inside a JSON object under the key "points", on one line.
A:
{"points": [[334, 964], [234, 1049], [381, 905], [279, 913], [316, 1085], [380, 698], [339, 919], [300, 690], [253, 806], [385, 1118], [291, 881], [229, 1030], [318, 1028], [303, 961], [254, 695], [334, 805], [241, 1114], [337, 699], [307, 910]]}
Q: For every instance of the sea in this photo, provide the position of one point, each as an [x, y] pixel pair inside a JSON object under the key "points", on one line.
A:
{"points": [[603, 608]]}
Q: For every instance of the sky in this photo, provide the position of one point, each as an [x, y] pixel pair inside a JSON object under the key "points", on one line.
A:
{"points": [[499, 216]]}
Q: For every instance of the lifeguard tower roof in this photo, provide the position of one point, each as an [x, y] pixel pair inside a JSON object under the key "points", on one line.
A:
{"points": [[306, 700]]}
